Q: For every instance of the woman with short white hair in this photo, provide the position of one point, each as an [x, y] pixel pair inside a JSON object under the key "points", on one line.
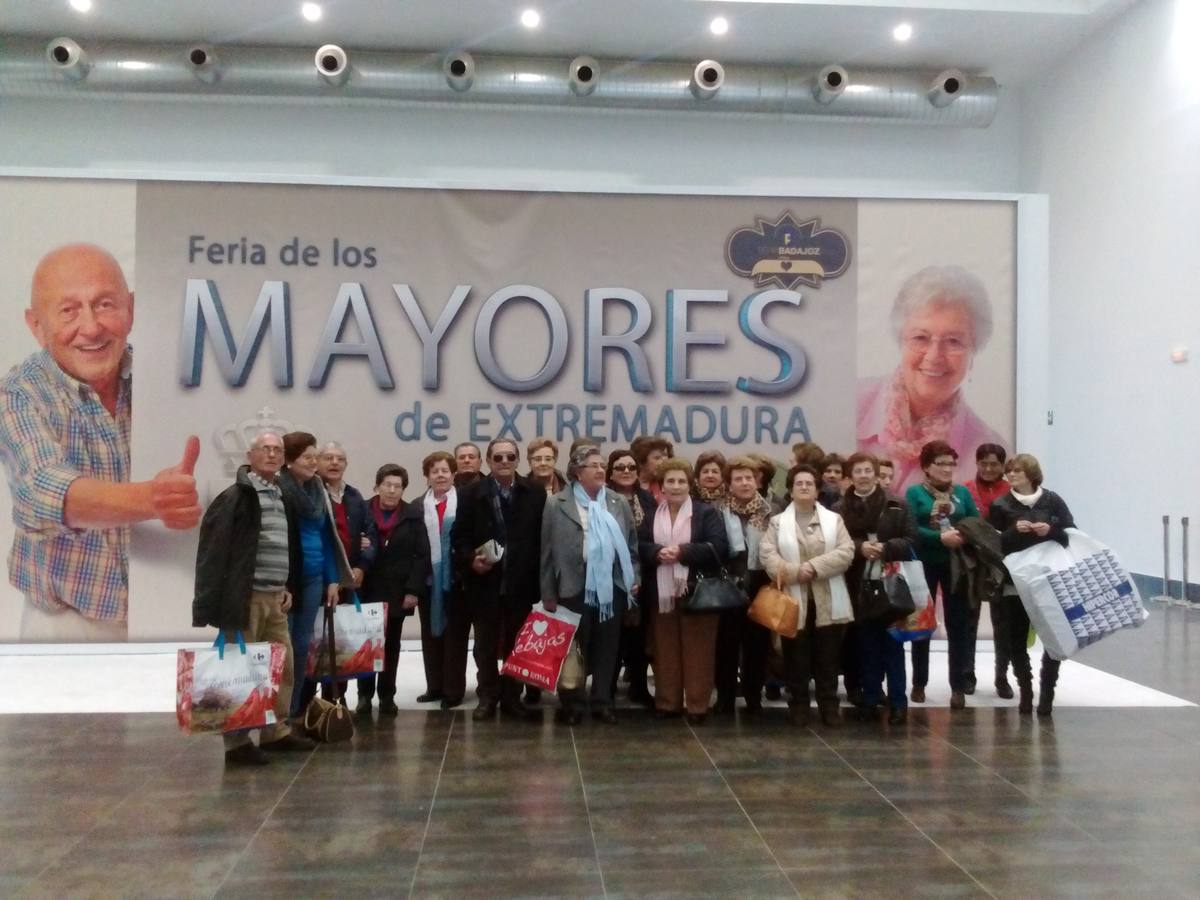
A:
{"points": [[941, 318]]}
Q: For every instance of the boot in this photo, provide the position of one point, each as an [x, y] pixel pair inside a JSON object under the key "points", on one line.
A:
{"points": [[1025, 705], [798, 714], [1003, 689], [1047, 682]]}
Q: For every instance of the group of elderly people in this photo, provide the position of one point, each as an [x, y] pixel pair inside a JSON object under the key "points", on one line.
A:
{"points": [[622, 538]]}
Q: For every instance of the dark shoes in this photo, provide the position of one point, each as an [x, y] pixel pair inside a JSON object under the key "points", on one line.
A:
{"points": [[290, 743], [697, 718], [918, 694], [533, 696], [831, 714], [565, 716], [898, 715], [483, 713], [969, 684], [798, 715], [773, 692], [1025, 705], [641, 696], [725, 706], [363, 708], [1003, 689], [451, 702], [246, 755], [1045, 705], [958, 700], [429, 697], [520, 712], [661, 714], [867, 713], [605, 714], [388, 708]]}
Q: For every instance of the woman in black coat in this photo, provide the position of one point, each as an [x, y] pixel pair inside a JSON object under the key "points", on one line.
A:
{"points": [[398, 577], [883, 530], [622, 478], [1026, 516], [682, 539]]}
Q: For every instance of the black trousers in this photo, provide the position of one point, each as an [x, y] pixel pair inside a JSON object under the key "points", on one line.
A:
{"points": [[600, 644], [633, 656], [445, 655], [851, 660], [1016, 633], [497, 621], [742, 644], [813, 654], [996, 610]]}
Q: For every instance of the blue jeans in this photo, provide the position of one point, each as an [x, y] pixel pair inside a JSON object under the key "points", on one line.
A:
{"points": [[881, 654], [302, 623]]}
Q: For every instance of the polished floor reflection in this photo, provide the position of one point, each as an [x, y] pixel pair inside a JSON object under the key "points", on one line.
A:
{"points": [[978, 803]]}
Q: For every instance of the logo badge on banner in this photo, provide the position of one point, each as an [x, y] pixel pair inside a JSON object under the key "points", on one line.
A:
{"points": [[787, 252]]}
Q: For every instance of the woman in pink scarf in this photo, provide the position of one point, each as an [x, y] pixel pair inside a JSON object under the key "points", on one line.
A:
{"points": [[682, 539], [941, 318]]}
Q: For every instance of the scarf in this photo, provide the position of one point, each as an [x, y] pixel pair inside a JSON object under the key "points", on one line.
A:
{"points": [[635, 505], [789, 549], [939, 496], [757, 510], [604, 544], [716, 496], [308, 498], [902, 435], [1027, 499], [439, 550], [672, 577], [385, 520]]}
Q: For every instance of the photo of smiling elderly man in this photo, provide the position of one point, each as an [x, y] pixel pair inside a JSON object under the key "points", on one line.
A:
{"points": [[64, 442]]}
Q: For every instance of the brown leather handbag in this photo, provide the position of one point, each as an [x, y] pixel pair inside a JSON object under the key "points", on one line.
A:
{"points": [[328, 722], [775, 609]]}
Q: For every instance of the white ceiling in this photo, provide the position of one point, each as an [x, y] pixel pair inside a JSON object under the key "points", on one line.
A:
{"points": [[1011, 40]]}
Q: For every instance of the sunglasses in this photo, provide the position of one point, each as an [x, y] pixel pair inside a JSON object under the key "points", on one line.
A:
{"points": [[504, 457], [626, 467]]}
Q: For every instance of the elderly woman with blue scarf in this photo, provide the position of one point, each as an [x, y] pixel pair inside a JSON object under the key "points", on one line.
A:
{"points": [[590, 566]]}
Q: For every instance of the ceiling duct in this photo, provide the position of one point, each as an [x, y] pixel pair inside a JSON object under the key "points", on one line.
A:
{"points": [[36, 68]]}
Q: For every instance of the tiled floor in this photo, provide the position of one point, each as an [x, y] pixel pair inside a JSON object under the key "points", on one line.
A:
{"points": [[983, 802]]}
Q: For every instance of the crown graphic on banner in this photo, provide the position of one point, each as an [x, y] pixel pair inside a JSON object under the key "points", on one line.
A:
{"points": [[233, 441]]}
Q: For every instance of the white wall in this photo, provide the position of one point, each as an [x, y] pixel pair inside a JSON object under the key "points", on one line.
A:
{"points": [[547, 148], [1113, 137]]}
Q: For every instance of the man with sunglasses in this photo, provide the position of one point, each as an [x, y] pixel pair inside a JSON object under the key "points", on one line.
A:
{"points": [[496, 544]]}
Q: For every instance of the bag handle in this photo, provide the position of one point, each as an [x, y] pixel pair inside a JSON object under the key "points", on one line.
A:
{"points": [[331, 644], [717, 557], [219, 643]]}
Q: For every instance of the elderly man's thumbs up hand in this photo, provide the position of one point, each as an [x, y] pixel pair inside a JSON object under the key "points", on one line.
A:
{"points": [[173, 491]]}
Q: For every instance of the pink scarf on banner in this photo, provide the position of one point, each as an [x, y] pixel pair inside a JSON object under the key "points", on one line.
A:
{"points": [[672, 577], [903, 435]]}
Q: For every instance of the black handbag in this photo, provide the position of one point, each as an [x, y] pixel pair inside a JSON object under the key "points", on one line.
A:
{"points": [[715, 593], [885, 598]]}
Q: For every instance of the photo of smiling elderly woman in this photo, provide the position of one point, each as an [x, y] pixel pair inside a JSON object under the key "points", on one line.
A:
{"points": [[941, 318]]}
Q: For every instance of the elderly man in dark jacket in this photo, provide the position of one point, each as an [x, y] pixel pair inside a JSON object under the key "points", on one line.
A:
{"points": [[249, 550], [506, 509]]}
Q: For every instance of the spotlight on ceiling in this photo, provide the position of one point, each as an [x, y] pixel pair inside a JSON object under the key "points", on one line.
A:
{"points": [[707, 78], [584, 75], [531, 18], [81, 5], [719, 25], [332, 63], [831, 82], [67, 58], [459, 69], [947, 87], [311, 11], [902, 32], [202, 60]]}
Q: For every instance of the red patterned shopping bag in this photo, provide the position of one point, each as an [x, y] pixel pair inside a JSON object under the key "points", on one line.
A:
{"points": [[541, 646]]}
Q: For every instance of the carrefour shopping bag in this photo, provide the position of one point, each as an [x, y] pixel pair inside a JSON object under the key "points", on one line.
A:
{"points": [[1075, 595], [541, 646], [918, 626], [358, 633], [222, 689]]}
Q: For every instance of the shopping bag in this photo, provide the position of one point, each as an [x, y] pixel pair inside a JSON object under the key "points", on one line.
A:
{"points": [[541, 646], [1074, 595], [885, 594], [775, 609], [917, 626], [913, 574], [223, 689], [358, 632]]}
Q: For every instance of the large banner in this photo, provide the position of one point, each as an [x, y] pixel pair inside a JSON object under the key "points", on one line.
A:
{"points": [[398, 321]]}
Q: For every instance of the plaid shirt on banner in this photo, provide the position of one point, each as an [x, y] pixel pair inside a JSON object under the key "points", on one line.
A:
{"points": [[53, 429]]}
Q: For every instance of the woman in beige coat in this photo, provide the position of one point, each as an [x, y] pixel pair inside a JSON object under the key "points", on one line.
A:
{"points": [[806, 549]]}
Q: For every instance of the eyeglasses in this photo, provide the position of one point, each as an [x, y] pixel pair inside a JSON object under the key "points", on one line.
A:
{"points": [[593, 465], [952, 344], [946, 463], [504, 457], [625, 467]]}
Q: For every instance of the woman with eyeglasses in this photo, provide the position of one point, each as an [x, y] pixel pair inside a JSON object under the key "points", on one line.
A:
{"points": [[542, 456], [1027, 515], [937, 504], [622, 479], [807, 549], [326, 567]]}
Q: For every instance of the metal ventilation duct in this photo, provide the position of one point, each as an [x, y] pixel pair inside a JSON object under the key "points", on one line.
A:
{"points": [[60, 66]]}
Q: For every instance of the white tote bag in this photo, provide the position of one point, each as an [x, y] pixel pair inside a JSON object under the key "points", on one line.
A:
{"points": [[1074, 595]]}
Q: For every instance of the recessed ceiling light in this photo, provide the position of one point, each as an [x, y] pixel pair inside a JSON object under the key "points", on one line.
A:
{"points": [[719, 25], [902, 32], [531, 18], [311, 11], [81, 5]]}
